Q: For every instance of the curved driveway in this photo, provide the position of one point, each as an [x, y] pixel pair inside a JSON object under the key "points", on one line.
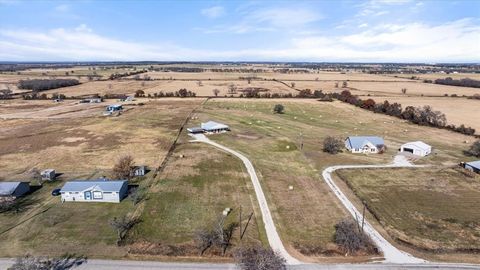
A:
{"points": [[272, 234], [390, 253]]}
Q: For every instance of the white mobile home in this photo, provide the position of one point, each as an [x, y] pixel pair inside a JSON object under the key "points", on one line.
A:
{"points": [[14, 189], [94, 191], [365, 144], [417, 148]]}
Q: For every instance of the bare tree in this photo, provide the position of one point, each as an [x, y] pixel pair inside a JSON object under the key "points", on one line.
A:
{"points": [[278, 108], [332, 145], [218, 235], [35, 175], [293, 85], [199, 83], [351, 238], [122, 225], [336, 85], [232, 89], [259, 258], [216, 91], [204, 239], [123, 168], [65, 262], [404, 90], [344, 84]]}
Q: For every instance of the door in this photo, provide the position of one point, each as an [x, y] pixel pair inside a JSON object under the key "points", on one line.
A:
{"points": [[408, 150], [88, 195]]}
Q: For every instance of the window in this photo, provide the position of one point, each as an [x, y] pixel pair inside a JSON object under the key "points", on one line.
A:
{"points": [[97, 195]]}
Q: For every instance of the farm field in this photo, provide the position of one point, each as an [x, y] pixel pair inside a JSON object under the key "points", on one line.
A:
{"points": [[438, 75], [197, 184], [431, 208], [269, 140], [79, 148], [457, 110]]}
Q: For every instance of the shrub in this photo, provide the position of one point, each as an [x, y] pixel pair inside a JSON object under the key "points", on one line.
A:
{"points": [[351, 239], [259, 258], [474, 149], [278, 108], [332, 145]]}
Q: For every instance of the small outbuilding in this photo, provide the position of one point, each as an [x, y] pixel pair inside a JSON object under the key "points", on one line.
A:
{"points": [[139, 170], [365, 144], [48, 174], [417, 148], [473, 166], [94, 191], [14, 189]]}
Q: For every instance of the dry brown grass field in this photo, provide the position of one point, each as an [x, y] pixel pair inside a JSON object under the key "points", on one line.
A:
{"points": [[79, 147], [438, 75], [264, 137], [457, 110]]}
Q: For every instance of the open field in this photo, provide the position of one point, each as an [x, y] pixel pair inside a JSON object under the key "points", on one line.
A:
{"points": [[79, 148], [431, 208], [457, 110], [197, 184], [438, 75], [272, 142]]}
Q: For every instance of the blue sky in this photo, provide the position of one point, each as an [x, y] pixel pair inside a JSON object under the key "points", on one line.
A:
{"points": [[350, 31]]}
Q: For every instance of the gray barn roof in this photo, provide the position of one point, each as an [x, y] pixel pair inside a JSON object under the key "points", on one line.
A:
{"points": [[475, 164], [8, 188], [211, 125], [360, 141], [81, 185]]}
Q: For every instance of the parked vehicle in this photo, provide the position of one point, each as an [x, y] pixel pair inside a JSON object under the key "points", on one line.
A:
{"points": [[56, 192]]}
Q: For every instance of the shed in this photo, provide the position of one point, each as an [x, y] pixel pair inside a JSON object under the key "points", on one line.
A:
{"points": [[48, 174], [139, 170], [114, 108], [417, 148], [473, 166], [365, 144], [14, 189], [94, 191]]}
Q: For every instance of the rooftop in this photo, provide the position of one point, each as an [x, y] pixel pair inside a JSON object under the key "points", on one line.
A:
{"points": [[7, 188], [475, 164], [360, 141], [104, 185]]}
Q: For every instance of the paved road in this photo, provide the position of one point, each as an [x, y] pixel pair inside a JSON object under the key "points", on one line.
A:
{"points": [[390, 252], [272, 234], [144, 265]]}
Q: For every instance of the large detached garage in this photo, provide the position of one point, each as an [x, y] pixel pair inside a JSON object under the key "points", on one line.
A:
{"points": [[417, 148]]}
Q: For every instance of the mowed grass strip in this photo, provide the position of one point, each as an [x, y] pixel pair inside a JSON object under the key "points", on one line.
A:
{"points": [[431, 208], [198, 183]]}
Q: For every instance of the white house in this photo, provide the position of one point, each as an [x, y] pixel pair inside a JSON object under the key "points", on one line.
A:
{"points": [[94, 191], [417, 148], [209, 127], [365, 144], [14, 189]]}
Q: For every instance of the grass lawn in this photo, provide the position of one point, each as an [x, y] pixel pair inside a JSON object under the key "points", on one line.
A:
{"points": [[306, 215], [198, 183], [431, 208]]}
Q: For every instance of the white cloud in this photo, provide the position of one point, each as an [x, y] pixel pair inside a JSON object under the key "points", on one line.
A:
{"points": [[62, 8], [456, 41], [363, 25], [268, 19], [213, 12]]}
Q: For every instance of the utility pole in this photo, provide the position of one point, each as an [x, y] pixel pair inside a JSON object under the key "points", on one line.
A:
{"points": [[363, 215], [240, 224], [301, 141]]}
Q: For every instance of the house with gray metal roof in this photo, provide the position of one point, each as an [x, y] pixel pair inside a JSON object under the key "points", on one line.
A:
{"points": [[473, 166], [14, 189], [365, 144], [209, 127], [94, 191]]}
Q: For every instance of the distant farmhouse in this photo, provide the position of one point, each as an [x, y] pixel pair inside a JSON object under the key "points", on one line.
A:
{"points": [[365, 144], [14, 189], [94, 191], [91, 100], [417, 148], [473, 166], [209, 127]]}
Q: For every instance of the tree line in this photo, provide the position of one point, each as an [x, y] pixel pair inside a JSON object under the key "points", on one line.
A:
{"points": [[46, 84], [424, 116], [467, 82], [180, 93], [125, 74]]}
